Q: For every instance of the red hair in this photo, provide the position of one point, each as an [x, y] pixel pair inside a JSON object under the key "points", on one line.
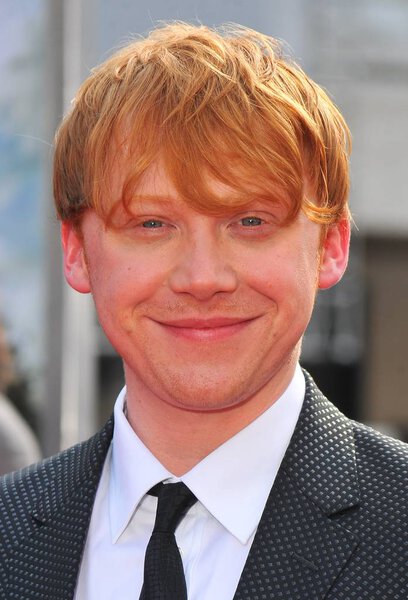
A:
{"points": [[220, 104]]}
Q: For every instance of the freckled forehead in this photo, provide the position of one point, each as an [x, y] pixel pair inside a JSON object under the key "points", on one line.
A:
{"points": [[157, 182]]}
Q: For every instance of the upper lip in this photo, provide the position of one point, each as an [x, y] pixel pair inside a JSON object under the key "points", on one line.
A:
{"points": [[199, 323]]}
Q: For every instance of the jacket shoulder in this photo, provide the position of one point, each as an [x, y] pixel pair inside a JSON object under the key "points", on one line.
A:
{"points": [[381, 459], [49, 482]]}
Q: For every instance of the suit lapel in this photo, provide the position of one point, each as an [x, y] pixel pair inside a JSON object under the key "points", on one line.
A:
{"points": [[299, 549], [47, 559]]}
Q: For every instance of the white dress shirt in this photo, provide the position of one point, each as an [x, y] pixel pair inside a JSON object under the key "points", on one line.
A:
{"points": [[231, 484]]}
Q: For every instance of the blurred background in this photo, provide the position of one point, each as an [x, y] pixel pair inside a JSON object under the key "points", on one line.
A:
{"points": [[65, 376]]}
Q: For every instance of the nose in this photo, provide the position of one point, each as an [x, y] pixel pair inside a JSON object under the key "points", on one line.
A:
{"points": [[203, 268]]}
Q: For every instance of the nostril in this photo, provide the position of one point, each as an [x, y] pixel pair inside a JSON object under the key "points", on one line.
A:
{"points": [[203, 283]]}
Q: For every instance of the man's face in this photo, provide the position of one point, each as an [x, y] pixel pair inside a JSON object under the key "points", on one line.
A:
{"points": [[206, 311]]}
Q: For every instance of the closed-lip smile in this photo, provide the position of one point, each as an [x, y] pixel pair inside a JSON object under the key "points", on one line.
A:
{"points": [[199, 329]]}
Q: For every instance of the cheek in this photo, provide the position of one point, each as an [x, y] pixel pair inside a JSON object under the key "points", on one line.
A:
{"points": [[121, 289], [288, 284], [281, 276]]}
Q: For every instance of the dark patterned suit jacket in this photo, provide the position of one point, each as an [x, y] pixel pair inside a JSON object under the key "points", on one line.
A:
{"points": [[334, 527]]}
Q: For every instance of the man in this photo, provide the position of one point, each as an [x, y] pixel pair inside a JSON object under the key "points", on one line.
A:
{"points": [[201, 180]]}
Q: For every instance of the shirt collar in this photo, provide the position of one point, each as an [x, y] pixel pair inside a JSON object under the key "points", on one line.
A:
{"points": [[134, 470], [233, 482]]}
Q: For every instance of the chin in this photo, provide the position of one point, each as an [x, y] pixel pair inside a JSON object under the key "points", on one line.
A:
{"points": [[207, 397]]}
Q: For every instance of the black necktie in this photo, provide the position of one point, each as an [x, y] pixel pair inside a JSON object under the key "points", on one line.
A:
{"points": [[163, 568]]}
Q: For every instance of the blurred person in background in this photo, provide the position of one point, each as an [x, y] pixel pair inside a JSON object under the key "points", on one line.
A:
{"points": [[201, 179], [18, 445]]}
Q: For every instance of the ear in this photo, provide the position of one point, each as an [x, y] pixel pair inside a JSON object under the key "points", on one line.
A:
{"points": [[75, 267], [334, 254]]}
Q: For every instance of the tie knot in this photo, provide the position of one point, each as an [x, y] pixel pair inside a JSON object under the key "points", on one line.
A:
{"points": [[174, 500]]}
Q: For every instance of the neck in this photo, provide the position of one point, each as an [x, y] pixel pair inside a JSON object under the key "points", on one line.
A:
{"points": [[180, 438]]}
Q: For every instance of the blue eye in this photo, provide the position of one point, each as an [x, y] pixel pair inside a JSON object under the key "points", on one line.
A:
{"points": [[251, 221], [152, 224]]}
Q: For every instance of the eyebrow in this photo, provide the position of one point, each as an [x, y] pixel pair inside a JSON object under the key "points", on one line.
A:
{"points": [[226, 204], [167, 199]]}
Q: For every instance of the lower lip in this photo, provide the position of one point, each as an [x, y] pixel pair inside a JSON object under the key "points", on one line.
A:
{"points": [[207, 334]]}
